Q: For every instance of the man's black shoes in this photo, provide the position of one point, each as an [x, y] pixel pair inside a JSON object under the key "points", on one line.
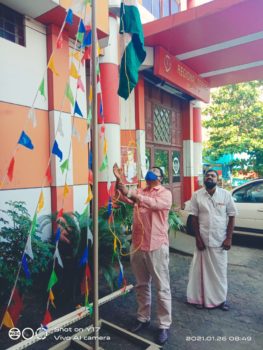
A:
{"points": [[140, 326], [225, 306], [162, 336]]}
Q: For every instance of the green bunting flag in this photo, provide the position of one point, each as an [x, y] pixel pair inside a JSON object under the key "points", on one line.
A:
{"points": [[34, 224], [53, 280], [69, 94], [42, 88], [64, 166], [134, 53], [104, 164], [80, 36]]}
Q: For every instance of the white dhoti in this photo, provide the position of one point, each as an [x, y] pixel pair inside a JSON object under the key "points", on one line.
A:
{"points": [[207, 284]]}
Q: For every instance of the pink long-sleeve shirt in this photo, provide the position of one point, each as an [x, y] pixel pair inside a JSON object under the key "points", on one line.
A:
{"points": [[150, 217]]}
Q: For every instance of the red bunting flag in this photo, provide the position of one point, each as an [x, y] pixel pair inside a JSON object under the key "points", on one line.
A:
{"points": [[10, 170], [90, 179], [47, 318], [60, 214], [86, 55], [48, 175]]}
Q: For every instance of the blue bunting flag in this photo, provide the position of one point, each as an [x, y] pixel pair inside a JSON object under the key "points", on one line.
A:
{"points": [[56, 151], [69, 17], [24, 140]]}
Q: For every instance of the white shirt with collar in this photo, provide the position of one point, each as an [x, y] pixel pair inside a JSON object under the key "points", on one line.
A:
{"points": [[212, 212]]}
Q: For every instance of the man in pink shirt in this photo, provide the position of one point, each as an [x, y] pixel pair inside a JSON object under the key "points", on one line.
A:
{"points": [[150, 247]]}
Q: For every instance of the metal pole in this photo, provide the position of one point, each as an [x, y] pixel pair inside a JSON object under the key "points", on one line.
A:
{"points": [[95, 178]]}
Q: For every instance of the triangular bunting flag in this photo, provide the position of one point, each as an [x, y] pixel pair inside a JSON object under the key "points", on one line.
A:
{"points": [[90, 159], [51, 66], [98, 88], [25, 266], [77, 109], [52, 281], [84, 257], [32, 117], [105, 147], [90, 195], [60, 128], [87, 39], [90, 177], [10, 170], [58, 233], [82, 28], [90, 236], [73, 71], [98, 69], [60, 213], [52, 298], [64, 166], [57, 255], [75, 132], [40, 205], [90, 94], [60, 42], [76, 55], [34, 224], [104, 164], [109, 209], [80, 36], [101, 108], [80, 85], [69, 17], [7, 320], [86, 55], [88, 136], [102, 130], [28, 249], [48, 175], [56, 151], [47, 318], [66, 190], [89, 117], [25, 141], [69, 94], [108, 185], [41, 88]]}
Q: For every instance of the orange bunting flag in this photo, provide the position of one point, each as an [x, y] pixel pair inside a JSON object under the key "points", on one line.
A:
{"points": [[90, 94], [52, 298], [51, 66], [105, 146], [40, 205], [90, 195], [10, 170], [7, 320], [66, 190], [73, 71]]}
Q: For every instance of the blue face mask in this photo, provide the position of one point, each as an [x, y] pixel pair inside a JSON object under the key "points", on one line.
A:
{"points": [[150, 176]]}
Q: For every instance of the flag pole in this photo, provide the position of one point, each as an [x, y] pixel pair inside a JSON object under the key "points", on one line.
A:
{"points": [[95, 178]]}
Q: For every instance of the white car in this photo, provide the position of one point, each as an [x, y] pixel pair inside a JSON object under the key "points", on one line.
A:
{"points": [[249, 202]]}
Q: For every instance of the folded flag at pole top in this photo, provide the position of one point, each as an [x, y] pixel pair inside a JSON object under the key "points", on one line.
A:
{"points": [[134, 52]]}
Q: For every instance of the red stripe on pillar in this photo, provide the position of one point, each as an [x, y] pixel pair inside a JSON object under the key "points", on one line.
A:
{"points": [[188, 187], [103, 194], [197, 125], [109, 85], [196, 183], [187, 115], [139, 105]]}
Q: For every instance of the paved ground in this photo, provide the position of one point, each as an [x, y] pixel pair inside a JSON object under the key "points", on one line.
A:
{"points": [[238, 329]]}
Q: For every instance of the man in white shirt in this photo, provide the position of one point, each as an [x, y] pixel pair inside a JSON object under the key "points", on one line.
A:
{"points": [[213, 214]]}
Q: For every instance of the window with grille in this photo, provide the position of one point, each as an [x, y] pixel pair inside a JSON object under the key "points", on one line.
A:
{"points": [[12, 25], [162, 124]]}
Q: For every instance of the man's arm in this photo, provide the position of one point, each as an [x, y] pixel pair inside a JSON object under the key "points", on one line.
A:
{"points": [[198, 239], [163, 201], [229, 232]]}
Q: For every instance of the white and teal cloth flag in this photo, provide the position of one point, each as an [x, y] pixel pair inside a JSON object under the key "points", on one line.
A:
{"points": [[134, 53]]}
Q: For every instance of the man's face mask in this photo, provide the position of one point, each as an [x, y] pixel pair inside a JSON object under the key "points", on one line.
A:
{"points": [[151, 176]]}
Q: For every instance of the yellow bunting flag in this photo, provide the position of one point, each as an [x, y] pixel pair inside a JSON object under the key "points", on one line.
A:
{"points": [[90, 93], [51, 66], [73, 71], [66, 190], [76, 55], [40, 202], [98, 49], [90, 195], [7, 320], [115, 245], [52, 298], [105, 146]]}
